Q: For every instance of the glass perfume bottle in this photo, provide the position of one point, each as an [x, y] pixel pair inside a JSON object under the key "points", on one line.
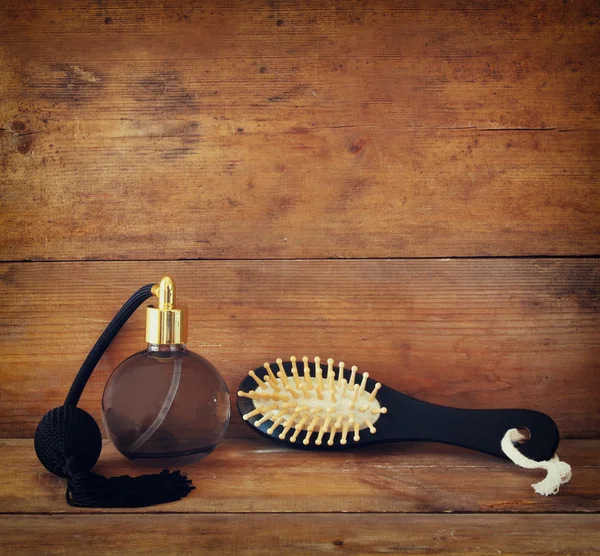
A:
{"points": [[166, 405]]}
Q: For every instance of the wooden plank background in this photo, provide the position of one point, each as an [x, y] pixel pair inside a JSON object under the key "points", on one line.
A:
{"points": [[298, 129], [411, 187], [470, 333]]}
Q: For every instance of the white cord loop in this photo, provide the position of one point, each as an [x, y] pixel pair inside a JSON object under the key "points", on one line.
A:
{"points": [[558, 472]]}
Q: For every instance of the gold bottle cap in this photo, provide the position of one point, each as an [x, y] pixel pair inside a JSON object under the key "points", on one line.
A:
{"points": [[166, 324]]}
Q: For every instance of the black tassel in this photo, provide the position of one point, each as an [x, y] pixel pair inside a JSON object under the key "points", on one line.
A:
{"points": [[89, 490]]}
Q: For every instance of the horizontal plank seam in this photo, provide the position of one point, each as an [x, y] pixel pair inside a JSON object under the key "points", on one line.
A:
{"points": [[222, 513], [336, 258]]}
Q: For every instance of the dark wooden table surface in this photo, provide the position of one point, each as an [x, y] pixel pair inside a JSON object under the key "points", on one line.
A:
{"points": [[411, 187]]}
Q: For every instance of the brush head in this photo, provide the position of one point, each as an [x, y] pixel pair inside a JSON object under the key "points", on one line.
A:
{"points": [[311, 404]]}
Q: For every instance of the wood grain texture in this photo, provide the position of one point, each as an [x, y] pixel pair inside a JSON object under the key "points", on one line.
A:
{"points": [[251, 476], [298, 130], [466, 333], [301, 534]]}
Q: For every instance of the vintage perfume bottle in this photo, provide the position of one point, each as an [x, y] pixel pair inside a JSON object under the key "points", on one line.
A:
{"points": [[166, 405]]}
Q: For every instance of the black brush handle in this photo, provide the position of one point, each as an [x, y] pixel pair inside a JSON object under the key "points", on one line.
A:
{"points": [[477, 429]]}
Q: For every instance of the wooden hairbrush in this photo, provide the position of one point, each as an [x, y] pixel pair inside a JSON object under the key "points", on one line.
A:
{"points": [[322, 407]]}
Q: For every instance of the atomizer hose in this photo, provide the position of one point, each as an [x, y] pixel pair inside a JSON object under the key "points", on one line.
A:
{"points": [[88, 366]]}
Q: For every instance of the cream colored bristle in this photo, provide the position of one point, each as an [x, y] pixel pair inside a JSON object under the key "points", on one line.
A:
{"points": [[341, 365], [259, 409], [258, 395], [292, 392], [331, 409], [352, 377], [289, 404], [309, 430], [333, 398], [343, 388], [322, 431], [351, 418], [364, 407], [338, 422], [272, 384], [279, 362], [307, 379], [258, 381], [276, 423], [270, 372], [283, 377], [331, 436], [319, 375], [286, 428], [315, 410], [370, 425], [330, 374], [266, 417], [294, 416], [295, 372], [356, 433], [354, 396], [280, 414], [344, 433], [304, 390], [298, 428], [378, 410], [363, 384], [373, 394], [306, 440], [303, 421]]}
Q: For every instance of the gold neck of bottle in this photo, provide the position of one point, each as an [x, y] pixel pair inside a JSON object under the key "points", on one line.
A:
{"points": [[166, 324]]}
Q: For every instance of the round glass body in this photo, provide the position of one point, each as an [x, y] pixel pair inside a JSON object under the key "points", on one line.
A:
{"points": [[165, 406]]}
